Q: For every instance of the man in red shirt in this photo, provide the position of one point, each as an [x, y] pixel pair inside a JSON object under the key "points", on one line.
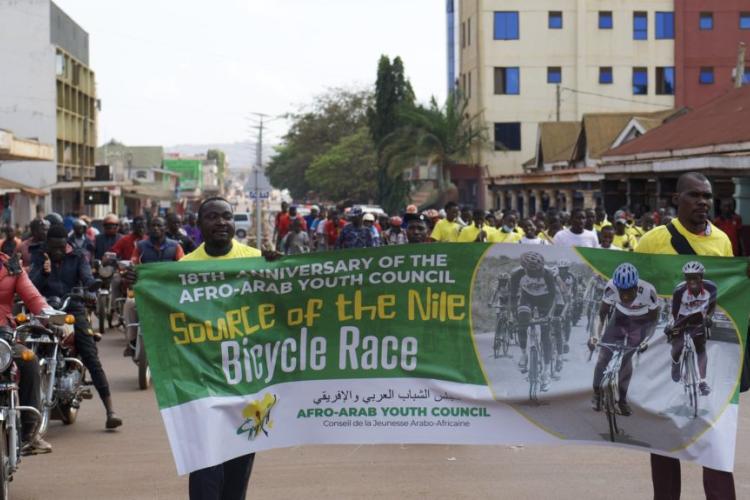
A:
{"points": [[731, 223], [125, 246]]}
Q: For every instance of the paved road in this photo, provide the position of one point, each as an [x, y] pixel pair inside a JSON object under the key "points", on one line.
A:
{"points": [[135, 463]]}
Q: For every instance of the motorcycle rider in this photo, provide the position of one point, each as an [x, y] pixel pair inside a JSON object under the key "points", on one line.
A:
{"points": [[28, 246], [125, 246], [106, 239], [55, 272], [175, 232], [79, 241], [156, 248], [14, 280]]}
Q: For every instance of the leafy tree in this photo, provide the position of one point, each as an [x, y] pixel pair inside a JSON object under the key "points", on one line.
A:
{"points": [[347, 170], [313, 131], [392, 93], [444, 135]]}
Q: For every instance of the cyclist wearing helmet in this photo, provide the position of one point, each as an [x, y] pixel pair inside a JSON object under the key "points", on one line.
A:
{"points": [[395, 235], [533, 287], [571, 292], [501, 296], [630, 311], [695, 299]]}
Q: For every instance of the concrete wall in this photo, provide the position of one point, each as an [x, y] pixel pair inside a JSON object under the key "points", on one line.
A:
{"points": [[580, 48], [65, 33], [27, 84]]}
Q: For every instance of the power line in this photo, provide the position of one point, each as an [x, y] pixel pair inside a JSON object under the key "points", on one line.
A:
{"points": [[583, 92]]}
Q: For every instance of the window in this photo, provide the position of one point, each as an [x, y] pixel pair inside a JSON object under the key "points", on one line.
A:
{"points": [[605, 74], [640, 26], [554, 74], [706, 76], [555, 20], [605, 20], [506, 25], [665, 80], [664, 25], [706, 21], [463, 35], [640, 81], [745, 20], [507, 81], [59, 65], [508, 136], [468, 85], [468, 32]]}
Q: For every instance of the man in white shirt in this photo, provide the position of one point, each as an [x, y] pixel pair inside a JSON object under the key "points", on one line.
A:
{"points": [[576, 235]]}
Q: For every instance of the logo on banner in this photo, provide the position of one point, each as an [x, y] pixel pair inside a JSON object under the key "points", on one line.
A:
{"points": [[257, 415]]}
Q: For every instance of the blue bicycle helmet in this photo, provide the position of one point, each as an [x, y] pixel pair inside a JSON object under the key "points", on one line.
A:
{"points": [[625, 276]]}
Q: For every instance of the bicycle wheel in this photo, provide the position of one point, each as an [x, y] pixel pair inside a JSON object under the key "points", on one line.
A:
{"points": [[496, 346], [691, 380], [609, 404], [505, 343], [534, 373]]}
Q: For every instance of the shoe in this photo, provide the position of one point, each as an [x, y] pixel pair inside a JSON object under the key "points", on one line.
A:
{"points": [[36, 446], [113, 421], [675, 371], [129, 351], [596, 402], [97, 336], [704, 388], [566, 348], [545, 381], [523, 363], [624, 408], [558, 364]]}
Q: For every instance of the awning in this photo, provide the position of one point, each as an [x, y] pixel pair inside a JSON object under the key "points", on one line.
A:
{"points": [[14, 149], [149, 191], [8, 186]]}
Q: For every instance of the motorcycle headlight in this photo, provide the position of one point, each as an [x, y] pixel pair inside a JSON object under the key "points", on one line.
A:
{"points": [[106, 271], [6, 355]]}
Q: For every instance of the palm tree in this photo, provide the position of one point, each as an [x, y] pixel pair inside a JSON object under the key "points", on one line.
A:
{"points": [[444, 135]]}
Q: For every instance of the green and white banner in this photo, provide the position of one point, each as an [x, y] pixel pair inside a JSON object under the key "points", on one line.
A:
{"points": [[446, 343]]}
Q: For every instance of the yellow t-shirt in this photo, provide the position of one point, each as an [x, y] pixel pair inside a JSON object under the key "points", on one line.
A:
{"points": [[598, 227], [635, 231], [445, 231], [658, 240], [501, 237], [238, 251], [625, 242], [469, 234]]}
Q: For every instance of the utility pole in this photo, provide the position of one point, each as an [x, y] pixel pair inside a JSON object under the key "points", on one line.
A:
{"points": [[739, 71], [83, 161], [256, 171], [557, 94]]}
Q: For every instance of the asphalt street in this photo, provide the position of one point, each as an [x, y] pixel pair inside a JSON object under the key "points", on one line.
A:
{"points": [[134, 462]]}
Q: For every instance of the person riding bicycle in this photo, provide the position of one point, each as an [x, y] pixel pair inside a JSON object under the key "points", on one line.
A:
{"points": [[532, 286], [571, 292], [630, 311], [501, 296], [693, 305]]}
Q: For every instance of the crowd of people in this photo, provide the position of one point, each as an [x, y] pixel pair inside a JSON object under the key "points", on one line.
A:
{"points": [[339, 228]]}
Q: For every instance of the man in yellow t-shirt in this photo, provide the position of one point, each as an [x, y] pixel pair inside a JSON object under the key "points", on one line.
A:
{"points": [[446, 230], [690, 232], [622, 238], [477, 230], [601, 219]]}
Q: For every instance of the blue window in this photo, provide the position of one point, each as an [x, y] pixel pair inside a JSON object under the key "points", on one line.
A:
{"points": [[554, 74], [507, 81], [555, 20], [605, 20], [508, 136], [665, 25], [745, 20], [665, 80], [640, 26], [640, 81], [706, 21], [506, 25], [605, 75], [706, 76]]}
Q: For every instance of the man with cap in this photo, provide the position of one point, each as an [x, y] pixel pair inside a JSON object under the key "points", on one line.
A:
{"points": [[395, 235], [80, 241], [107, 238], [355, 234], [623, 239], [416, 228], [368, 221]]}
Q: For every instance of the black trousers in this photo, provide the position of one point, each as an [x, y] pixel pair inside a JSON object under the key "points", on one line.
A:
{"points": [[665, 474], [28, 387], [86, 347], [227, 481]]}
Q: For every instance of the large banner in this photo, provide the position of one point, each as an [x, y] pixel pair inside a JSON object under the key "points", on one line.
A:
{"points": [[447, 343]]}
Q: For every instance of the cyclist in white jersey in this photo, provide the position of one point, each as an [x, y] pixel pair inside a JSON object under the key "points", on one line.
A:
{"points": [[630, 311], [693, 304]]}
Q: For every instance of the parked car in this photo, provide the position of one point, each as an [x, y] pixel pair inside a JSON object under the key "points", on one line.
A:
{"points": [[242, 224], [376, 210]]}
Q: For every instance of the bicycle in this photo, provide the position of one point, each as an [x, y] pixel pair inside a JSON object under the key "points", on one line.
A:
{"points": [[535, 362], [503, 339], [609, 388], [688, 363]]}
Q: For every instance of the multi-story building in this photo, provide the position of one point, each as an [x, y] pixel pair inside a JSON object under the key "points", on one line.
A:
{"points": [[48, 92], [523, 63], [708, 34]]}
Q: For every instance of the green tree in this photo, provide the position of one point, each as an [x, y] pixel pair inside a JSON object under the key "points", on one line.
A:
{"points": [[393, 92], [314, 130], [443, 135], [347, 170]]}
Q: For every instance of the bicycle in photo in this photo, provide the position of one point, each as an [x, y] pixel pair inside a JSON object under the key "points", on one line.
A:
{"points": [[503, 333], [609, 389], [535, 363], [689, 369]]}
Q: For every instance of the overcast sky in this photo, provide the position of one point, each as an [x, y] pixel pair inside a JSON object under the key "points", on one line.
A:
{"points": [[191, 71]]}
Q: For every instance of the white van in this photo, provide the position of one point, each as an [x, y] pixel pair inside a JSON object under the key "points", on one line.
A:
{"points": [[242, 224]]}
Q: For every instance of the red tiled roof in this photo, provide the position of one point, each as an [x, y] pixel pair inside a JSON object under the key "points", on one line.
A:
{"points": [[725, 120]]}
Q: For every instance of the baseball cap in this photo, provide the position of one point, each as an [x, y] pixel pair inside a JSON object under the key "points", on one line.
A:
{"points": [[369, 217]]}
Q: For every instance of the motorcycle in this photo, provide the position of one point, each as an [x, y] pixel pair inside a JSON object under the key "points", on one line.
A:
{"points": [[10, 410], [139, 349], [104, 270], [63, 376]]}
